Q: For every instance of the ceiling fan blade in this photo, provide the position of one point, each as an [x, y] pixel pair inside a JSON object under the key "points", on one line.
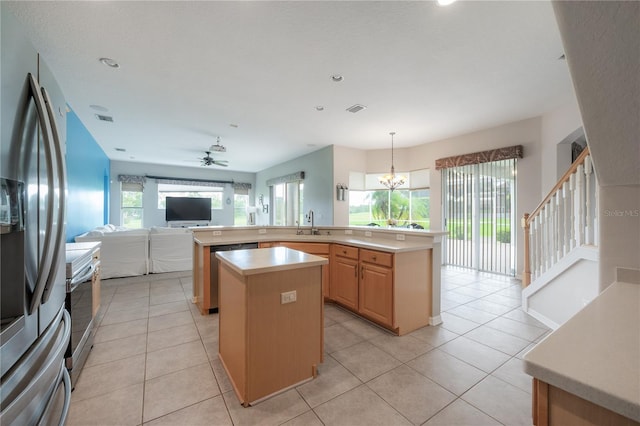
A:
{"points": [[221, 163]]}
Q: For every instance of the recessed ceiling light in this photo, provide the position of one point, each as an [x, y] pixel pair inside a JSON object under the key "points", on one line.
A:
{"points": [[110, 62], [445, 2], [235, 126], [121, 150], [337, 78], [99, 108], [319, 108]]}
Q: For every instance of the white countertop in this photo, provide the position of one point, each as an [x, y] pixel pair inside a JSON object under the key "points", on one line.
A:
{"points": [[258, 261], [382, 244], [596, 354]]}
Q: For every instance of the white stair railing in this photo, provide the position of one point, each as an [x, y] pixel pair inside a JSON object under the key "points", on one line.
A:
{"points": [[564, 220]]}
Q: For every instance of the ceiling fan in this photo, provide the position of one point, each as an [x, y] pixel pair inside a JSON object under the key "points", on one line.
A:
{"points": [[208, 160]]}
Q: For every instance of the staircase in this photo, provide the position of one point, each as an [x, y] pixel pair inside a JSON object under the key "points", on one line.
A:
{"points": [[561, 248]]}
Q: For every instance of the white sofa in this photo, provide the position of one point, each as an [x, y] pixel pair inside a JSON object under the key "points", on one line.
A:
{"points": [[170, 249], [129, 252]]}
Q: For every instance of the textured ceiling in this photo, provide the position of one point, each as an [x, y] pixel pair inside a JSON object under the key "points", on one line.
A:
{"points": [[190, 70]]}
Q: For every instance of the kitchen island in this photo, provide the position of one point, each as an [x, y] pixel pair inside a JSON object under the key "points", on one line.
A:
{"points": [[271, 319], [389, 276]]}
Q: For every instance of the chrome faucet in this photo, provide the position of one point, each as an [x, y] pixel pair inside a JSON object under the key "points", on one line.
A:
{"points": [[310, 219]]}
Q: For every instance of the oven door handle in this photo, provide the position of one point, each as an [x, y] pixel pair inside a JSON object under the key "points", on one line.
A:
{"points": [[86, 276]]}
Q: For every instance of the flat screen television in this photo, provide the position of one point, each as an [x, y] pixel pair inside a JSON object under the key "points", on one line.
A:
{"points": [[188, 208]]}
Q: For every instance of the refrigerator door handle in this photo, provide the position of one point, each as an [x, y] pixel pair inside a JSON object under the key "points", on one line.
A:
{"points": [[60, 172], [66, 382], [47, 259]]}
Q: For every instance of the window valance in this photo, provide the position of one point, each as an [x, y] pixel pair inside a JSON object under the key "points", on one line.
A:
{"points": [[132, 183], [480, 157], [132, 179], [189, 182], [293, 177]]}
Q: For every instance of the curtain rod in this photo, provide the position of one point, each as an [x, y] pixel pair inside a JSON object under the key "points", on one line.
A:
{"points": [[190, 180]]}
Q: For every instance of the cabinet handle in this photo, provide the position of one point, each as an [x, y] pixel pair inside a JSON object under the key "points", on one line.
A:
{"points": [[344, 252], [362, 272], [374, 258]]}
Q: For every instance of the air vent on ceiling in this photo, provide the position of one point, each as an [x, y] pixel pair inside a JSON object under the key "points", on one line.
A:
{"points": [[356, 108], [104, 118]]}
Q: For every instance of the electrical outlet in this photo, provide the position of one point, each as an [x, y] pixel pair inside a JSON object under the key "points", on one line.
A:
{"points": [[262, 231], [367, 233], [288, 297], [217, 233], [400, 237], [348, 231]]}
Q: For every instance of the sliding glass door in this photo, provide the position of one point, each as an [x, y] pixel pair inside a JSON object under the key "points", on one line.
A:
{"points": [[479, 208]]}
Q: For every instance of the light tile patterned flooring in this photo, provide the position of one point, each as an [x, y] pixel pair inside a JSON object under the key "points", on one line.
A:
{"points": [[154, 362]]}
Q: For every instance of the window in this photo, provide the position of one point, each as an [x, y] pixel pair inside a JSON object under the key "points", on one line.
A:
{"points": [[287, 199], [131, 205], [404, 207], [175, 190], [240, 204]]}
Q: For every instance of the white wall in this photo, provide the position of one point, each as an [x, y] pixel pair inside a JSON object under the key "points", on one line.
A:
{"points": [[154, 216], [619, 225], [557, 125], [318, 184], [345, 160]]}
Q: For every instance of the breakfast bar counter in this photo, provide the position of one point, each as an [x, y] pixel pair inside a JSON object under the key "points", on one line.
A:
{"points": [[271, 319], [588, 370]]}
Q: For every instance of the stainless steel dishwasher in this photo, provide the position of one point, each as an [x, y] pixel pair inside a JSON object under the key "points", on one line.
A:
{"points": [[213, 302]]}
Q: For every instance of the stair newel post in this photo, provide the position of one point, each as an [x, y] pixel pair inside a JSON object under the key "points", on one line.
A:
{"points": [[589, 214], [526, 276]]}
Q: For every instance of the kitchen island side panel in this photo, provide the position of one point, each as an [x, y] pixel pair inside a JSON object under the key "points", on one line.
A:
{"points": [[233, 328], [284, 340]]}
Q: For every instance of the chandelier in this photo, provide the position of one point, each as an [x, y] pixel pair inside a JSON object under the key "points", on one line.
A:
{"points": [[390, 180]]}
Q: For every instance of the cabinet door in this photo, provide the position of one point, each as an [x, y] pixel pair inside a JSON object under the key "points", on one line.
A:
{"points": [[376, 293], [344, 282]]}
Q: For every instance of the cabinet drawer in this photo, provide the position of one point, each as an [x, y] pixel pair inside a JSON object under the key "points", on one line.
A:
{"points": [[376, 257], [311, 248], [345, 251]]}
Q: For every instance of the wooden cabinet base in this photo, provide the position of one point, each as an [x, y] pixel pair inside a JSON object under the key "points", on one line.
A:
{"points": [[267, 346], [554, 406]]}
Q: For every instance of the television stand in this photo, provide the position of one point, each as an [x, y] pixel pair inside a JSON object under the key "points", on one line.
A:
{"points": [[186, 224]]}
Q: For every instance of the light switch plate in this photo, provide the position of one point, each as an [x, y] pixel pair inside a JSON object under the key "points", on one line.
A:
{"points": [[288, 297], [348, 231], [217, 233], [367, 233], [400, 237], [262, 231]]}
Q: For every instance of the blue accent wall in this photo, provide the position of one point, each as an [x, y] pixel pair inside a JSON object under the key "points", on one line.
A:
{"points": [[87, 180]]}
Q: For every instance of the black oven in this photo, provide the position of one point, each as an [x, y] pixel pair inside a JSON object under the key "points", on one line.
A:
{"points": [[81, 268]]}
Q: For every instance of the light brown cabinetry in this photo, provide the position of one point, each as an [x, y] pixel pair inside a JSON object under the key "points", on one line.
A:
{"points": [[376, 286], [554, 406], [344, 279], [363, 282], [391, 289], [318, 249], [267, 346]]}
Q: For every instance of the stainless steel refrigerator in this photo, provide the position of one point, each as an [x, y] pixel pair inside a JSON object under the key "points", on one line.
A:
{"points": [[35, 386]]}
